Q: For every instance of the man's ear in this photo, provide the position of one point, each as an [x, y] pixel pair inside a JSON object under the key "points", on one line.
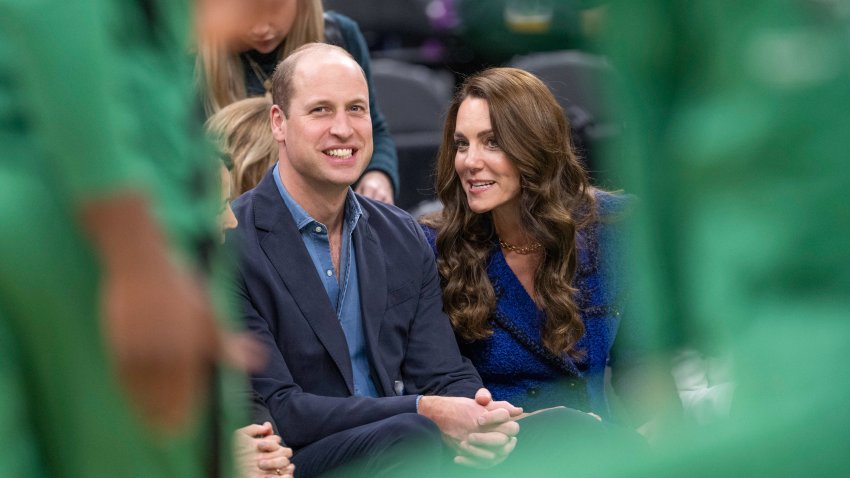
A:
{"points": [[278, 121]]}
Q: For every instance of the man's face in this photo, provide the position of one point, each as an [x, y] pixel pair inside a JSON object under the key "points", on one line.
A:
{"points": [[327, 136]]}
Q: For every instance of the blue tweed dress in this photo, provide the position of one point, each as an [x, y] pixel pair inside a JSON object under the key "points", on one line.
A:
{"points": [[513, 363]]}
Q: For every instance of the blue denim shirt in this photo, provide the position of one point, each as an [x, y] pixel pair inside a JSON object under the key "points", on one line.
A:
{"points": [[345, 293]]}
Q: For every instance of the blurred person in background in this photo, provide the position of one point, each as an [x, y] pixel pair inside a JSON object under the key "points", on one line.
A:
{"points": [[527, 250], [244, 131], [269, 30]]}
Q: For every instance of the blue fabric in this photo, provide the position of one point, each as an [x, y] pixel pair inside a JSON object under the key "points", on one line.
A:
{"points": [[513, 363], [345, 293]]}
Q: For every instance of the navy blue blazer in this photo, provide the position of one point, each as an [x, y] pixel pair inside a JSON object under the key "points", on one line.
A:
{"points": [[307, 381]]}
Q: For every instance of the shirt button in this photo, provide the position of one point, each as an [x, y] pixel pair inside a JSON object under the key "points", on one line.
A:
{"points": [[532, 392], [318, 228], [329, 272]]}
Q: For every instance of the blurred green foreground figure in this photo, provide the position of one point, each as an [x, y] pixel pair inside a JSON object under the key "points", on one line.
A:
{"points": [[107, 207], [738, 133], [736, 145]]}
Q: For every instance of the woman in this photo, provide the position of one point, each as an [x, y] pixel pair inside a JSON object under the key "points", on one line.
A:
{"points": [[268, 31], [519, 245]]}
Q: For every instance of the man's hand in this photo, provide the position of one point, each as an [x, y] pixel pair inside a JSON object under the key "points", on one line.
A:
{"points": [[376, 185], [259, 453], [485, 399], [483, 450], [482, 437]]}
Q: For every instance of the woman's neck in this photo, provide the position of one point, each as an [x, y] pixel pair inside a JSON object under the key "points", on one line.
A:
{"points": [[507, 221]]}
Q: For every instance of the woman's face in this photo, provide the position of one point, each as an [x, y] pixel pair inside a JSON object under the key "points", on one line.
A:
{"points": [[226, 219], [267, 24], [489, 178]]}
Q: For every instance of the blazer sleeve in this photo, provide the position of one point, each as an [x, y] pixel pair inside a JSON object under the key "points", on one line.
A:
{"points": [[384, 158], [303, 418], [434, 365]]}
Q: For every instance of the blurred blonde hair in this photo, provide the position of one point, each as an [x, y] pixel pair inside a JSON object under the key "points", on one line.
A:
{"points": [[244, 134], [220, 72]]}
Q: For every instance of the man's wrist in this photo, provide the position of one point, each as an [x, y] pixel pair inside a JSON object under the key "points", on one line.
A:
{"points": [[418, 398]]}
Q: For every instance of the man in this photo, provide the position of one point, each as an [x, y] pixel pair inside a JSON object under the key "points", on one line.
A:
{"points": [[343, 292]]}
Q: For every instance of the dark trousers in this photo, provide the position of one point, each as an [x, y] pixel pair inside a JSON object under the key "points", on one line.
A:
{"points": [[411, 445], [403, 445]]}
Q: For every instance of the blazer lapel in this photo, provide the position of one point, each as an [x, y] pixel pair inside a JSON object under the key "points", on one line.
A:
{"points": [[284, 247], [372, 276]]}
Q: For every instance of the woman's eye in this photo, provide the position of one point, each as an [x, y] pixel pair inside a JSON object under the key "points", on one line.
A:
{"points": [[491, 143], [461, 145]]}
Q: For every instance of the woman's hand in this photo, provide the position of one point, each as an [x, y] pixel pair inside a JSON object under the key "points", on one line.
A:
{"points": [[259, 453]]}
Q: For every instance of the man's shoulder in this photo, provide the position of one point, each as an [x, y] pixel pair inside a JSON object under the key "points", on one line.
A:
{"points": [[395, 228], [380, 214], [241, 203]]}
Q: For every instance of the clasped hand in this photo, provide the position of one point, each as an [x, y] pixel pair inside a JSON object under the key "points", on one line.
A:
{"points": [[482, 431]]}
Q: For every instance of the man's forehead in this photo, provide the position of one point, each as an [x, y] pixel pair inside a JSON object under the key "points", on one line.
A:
{"points": [[318, 65], [323, 73]]}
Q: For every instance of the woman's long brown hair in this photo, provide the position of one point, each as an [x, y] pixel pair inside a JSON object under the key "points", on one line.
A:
{"points": [[556, 201]]}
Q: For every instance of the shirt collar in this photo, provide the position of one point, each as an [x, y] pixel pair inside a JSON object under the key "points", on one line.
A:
{"points": [[353, 211]]}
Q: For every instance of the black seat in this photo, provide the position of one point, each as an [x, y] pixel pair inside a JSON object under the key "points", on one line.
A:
{"points": [[580, 82], [413, 99]]}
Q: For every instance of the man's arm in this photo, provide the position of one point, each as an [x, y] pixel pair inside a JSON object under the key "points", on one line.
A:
{"points": [[433, 364], [156, 316], [481, 430], [303, 418]]}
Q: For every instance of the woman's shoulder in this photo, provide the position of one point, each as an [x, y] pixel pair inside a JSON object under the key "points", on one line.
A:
{"points": [[430, 232], [343, 22], [349, 35]]}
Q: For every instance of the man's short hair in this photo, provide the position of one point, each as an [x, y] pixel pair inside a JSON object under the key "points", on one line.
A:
{"points": [[283, 87]]}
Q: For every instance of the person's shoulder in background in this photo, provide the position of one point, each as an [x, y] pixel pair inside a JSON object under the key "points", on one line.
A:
{"points": [[614, 206]]}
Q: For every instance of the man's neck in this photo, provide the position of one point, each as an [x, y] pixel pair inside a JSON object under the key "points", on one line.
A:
{"points": [[322, 204]]}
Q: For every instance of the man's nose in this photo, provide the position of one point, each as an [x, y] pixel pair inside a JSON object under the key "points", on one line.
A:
{"points": [[341, 126]]}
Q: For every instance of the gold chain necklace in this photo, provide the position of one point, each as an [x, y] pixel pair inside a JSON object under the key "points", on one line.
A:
{"points": [[523, 250], [260, 74]]}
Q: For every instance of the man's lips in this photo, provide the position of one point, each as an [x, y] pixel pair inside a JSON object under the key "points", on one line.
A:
{"points": [[340, 153]]}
